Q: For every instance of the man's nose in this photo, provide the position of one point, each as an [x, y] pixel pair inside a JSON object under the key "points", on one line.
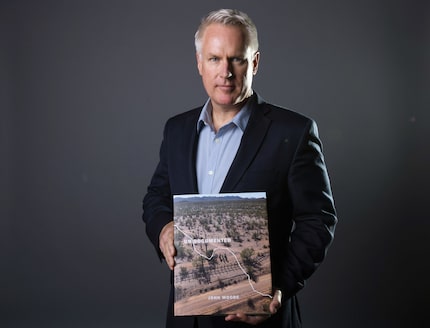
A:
{"points": [[226, 71], [227, 75]]}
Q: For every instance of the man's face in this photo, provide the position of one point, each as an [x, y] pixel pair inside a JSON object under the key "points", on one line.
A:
{"points": [[227, 66]]}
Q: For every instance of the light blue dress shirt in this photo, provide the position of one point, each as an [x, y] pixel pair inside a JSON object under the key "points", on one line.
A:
{"points": [[216, 151]]}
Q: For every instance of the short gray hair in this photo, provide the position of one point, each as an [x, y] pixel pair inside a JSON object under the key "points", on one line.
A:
{"points": [[231, 17]]}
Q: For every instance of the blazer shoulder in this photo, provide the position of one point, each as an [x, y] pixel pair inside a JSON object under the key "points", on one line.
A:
{"points": [[286, 115]]}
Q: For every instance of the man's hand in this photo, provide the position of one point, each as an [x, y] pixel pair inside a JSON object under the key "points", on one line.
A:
{"points": [[255, 320], [166, 244]]}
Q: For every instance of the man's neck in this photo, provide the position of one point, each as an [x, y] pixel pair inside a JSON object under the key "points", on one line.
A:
{"points": [[221, 115]]}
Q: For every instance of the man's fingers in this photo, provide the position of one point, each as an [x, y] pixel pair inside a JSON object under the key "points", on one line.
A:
{"points": [[170, 262], [242, 317], [166, 245], [169, 256], [276, 302], [275, 305], [237, 317]]}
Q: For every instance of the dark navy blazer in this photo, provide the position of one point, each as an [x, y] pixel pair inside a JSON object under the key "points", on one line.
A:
{"points": [[281, 154]]}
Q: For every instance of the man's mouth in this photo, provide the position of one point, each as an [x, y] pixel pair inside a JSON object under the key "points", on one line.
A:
{"points": [[225, 87]]}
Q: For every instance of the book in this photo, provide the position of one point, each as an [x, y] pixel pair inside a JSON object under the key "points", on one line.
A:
{"points": [[223, 254]]}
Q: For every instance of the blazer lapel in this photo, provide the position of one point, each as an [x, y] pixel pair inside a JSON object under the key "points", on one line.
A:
{"points": [[251, 140]]}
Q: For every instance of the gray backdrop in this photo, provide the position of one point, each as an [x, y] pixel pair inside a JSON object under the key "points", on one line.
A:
{"points": [[85, 89]]}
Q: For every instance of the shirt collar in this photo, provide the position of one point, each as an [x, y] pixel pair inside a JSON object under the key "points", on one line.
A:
{"points": [[240, 119]]}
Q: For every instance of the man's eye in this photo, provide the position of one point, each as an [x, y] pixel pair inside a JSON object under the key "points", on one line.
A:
{"points": [[237, 60], [213, 59]]}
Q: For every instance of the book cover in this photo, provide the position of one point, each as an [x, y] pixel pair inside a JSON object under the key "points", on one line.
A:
{"points": [[223, 254]]}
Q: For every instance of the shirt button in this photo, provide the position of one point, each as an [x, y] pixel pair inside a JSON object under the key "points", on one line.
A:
{"points": [[211, 172], [217, 140]]}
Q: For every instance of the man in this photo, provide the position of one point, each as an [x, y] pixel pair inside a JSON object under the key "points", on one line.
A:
{"points": [[237, 142]]}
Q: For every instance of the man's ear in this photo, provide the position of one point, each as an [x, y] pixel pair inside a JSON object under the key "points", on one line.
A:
{"points": [[255, 62]]}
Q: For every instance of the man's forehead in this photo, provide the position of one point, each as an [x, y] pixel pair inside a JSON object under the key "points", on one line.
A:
{"points": [[214, 29], [216, 39]]}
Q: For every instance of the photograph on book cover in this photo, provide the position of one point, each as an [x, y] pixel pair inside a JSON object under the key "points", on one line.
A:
{"points": [[223, 254]]}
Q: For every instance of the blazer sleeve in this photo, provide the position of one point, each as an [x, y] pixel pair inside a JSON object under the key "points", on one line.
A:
{"points": [[157, 203], [314, 213]]}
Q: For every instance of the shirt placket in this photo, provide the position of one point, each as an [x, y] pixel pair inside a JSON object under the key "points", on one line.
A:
{"points": [[214, 159]]}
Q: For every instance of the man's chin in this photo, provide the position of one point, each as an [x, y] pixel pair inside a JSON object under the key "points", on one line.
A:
{"points": [[229, 102]]}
